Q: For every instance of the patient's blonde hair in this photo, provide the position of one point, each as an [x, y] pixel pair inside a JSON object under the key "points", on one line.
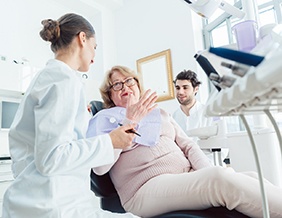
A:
{"points": [[105, 88]]}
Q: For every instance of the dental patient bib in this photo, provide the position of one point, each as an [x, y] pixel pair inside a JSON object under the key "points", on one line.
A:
{"points": [[107, 120]]}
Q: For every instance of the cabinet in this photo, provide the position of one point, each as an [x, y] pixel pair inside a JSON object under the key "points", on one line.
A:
{"points": [[6, 178]]}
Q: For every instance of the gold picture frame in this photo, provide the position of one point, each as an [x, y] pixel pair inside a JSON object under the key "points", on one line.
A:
{"points": [[155, 72]]}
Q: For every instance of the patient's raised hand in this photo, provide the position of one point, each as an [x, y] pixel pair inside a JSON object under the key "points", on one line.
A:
{"points": [[121, 138], [136, 111]]}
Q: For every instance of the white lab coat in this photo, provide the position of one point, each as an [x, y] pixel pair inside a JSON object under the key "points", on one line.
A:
{"points": [[51, 158], [196, 119]]}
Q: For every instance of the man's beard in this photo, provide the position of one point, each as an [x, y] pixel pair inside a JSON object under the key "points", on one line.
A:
{"points": [[185, 102]]}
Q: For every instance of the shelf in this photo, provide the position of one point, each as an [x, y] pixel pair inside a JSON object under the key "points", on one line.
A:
{"points": [[10, 93]]}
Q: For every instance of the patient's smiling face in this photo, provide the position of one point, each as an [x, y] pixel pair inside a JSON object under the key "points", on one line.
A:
{"points": [[121, 97]]}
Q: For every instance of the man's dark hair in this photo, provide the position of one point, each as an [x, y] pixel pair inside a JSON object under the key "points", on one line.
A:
{"points": [[188, 75]]}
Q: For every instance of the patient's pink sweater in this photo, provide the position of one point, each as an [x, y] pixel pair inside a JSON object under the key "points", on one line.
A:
{"points": [[175, 153]]}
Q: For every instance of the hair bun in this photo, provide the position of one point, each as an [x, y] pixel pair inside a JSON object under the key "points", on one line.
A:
{"points": [[51, 30]]}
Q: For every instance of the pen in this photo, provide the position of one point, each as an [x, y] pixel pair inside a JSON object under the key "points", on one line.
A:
{"points": [[130, 130]]}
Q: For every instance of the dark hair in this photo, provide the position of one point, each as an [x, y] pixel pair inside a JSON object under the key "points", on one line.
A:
{"points": [[188, 75], [105, 87], [62, 31]]}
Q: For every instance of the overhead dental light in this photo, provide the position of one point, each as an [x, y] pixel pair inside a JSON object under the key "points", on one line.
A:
{"points": [[206, 8]]}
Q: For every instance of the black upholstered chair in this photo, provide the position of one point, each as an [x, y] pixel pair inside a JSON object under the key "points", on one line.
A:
{"points": [[103, 188]]}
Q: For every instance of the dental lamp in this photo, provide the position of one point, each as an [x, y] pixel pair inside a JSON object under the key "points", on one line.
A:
{"points": [[206, 8]]}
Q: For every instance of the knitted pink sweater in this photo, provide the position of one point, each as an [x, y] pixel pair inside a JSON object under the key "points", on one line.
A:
{"points": [[175, 153]]}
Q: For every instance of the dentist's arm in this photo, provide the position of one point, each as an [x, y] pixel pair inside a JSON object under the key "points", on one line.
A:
{"points": [[121, 139], [106, 168]]}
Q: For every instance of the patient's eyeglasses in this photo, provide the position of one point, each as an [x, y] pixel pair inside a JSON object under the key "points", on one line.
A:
{"points": [[119, 85]]}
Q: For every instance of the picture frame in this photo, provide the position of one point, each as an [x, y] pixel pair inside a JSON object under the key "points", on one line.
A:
{"points": [[155, 73]]}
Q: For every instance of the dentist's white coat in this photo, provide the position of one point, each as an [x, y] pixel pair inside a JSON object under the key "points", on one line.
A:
{"points": [[51, 158]]}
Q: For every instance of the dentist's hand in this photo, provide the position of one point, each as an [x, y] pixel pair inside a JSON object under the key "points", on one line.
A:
{"points": [[121, 138], [135, 112]]}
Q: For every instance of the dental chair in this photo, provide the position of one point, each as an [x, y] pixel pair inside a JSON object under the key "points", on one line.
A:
{"points": [[103, 188]]}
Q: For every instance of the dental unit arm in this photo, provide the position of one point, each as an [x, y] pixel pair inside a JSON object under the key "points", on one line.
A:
{"points": [[206, 8]]}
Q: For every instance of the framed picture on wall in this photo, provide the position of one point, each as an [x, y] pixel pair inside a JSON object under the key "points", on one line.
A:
{"points": [[155, 72]]}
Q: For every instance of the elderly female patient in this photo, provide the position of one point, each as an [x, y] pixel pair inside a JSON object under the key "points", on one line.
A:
{"points": [[164, 170]]}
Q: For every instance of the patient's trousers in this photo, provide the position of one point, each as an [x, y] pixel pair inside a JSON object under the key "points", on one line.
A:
{"points": [[201, 189]]}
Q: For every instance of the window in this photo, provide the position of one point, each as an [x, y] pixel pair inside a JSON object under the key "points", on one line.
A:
{"points": [[9, 110], [220, 36], [217, 31]]}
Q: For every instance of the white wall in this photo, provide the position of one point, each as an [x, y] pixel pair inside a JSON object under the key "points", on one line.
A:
{"points": [[124, 34], [20, 25]]}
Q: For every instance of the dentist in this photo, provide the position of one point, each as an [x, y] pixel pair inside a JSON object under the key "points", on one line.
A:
{"points": [[51, 157]]}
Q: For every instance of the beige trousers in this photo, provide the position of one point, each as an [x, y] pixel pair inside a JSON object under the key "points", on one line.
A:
{"points": [[208, 187]]}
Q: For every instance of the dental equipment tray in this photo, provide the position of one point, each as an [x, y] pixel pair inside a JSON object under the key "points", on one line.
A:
{"points": [[260, 89]]}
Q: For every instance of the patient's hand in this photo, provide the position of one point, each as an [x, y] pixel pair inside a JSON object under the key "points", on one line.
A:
{"points": [[135, 112], [121, 138]]}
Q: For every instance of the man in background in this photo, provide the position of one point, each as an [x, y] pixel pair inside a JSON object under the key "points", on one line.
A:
{"points": [[190, 114]]}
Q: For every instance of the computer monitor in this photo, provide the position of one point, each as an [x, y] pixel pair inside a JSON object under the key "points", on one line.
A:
{"points": [[8, 111]]}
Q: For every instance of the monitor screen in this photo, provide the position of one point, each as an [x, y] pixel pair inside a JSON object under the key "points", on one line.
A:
{"points": [[9, 110]]}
